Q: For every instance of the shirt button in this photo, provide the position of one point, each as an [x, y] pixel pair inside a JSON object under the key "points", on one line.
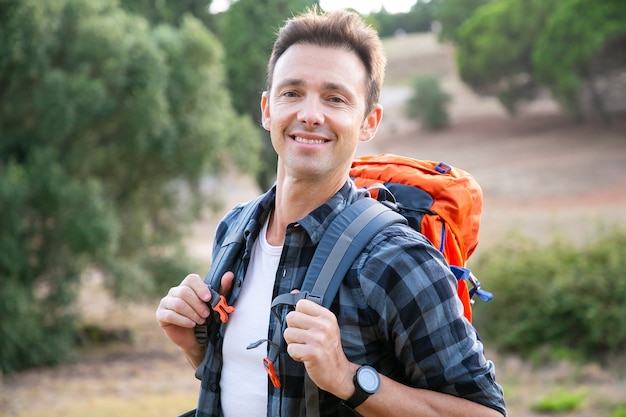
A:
{"points": [[213, 387]]}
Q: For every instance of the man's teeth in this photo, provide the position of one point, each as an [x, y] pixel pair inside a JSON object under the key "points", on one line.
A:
{"points": [[308, 141]]}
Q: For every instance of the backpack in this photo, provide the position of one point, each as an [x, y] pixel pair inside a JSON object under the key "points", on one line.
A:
{"points": [[441, 202]]}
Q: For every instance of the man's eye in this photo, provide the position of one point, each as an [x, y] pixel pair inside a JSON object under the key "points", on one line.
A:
{"points": [[290, 94], [337, 100]]}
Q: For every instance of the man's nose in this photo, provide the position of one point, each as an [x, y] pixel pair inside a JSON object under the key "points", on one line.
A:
{"points": [[311, 113]]}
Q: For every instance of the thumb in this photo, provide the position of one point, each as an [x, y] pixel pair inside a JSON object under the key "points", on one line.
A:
{"points": [[227, 282]]}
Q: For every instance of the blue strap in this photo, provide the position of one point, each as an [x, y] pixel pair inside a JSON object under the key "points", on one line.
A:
{"points": [[342, 243], [465, 274]]}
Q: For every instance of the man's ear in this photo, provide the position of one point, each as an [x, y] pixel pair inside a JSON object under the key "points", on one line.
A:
{"points": [[265, 111], [371, 123]]}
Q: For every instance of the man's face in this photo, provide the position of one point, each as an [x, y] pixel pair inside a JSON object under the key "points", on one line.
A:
{"points": [[315, 111]]}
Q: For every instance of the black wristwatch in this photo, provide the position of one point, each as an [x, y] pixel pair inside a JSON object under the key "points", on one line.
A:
{"points": [[366, 383]]}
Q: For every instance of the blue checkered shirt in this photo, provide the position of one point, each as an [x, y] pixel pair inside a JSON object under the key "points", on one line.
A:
{"points": [[397, 309]]}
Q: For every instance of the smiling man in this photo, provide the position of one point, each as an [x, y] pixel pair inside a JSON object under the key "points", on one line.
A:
{"points": [[394, 342]]}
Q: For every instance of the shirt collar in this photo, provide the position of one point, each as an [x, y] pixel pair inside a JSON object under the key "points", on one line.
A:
{"points": [[317, 221]]}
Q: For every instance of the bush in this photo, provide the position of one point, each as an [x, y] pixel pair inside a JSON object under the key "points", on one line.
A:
{"points": [[560, 401], [619, 412], [559, 296], [428, 103]]}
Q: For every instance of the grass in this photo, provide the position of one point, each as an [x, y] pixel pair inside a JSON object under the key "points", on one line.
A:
{"points": [[153, 404], [619, 412], [560, 401]]}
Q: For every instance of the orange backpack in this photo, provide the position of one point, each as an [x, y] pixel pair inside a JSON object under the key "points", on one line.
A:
{"points": [[442, 202]]}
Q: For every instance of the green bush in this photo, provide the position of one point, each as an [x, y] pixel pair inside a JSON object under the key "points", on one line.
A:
{"points": [[619, 412], [560, 401], [556, 296], [428, 103]]}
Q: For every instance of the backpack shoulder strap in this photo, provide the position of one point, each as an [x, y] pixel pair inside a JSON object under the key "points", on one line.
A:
{"points": [[231, 246], [224, 260], [341, 244]]}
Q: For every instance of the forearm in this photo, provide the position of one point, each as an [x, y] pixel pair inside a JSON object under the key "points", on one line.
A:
{"points": [[195, 356], [395, 399]]}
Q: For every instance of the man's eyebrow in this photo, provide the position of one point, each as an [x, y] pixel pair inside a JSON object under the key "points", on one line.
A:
{"points": [[291, 82], [297, 82], [335, 87]]}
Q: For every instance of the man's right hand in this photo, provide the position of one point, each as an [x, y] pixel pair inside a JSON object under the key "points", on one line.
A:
{"points": [[183, 307]]}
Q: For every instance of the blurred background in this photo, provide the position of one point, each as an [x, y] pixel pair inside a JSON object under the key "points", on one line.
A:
{"points": [[128, 128]]}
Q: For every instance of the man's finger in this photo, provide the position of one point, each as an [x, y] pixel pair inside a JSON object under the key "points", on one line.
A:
{"points": [[196, 283]]}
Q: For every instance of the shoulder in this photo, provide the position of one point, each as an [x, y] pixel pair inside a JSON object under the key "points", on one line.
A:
{"points": [[402, 243], [399, 261]]}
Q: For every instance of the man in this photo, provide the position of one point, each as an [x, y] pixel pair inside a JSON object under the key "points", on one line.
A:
{"points": [[397, 309]]}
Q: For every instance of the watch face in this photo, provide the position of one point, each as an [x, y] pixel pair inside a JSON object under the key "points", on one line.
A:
{"points": [[368, 379]]}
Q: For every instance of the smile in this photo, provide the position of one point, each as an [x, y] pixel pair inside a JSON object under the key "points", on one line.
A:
{"points": [[308, 141]]}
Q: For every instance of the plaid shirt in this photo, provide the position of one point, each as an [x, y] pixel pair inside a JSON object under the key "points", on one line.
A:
{"points": [[397, 309]]}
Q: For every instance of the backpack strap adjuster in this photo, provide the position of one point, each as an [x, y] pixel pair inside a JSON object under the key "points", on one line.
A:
{"points": [[443, 168]]}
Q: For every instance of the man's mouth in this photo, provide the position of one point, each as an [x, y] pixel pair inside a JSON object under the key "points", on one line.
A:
{"points": [[308, 141]]}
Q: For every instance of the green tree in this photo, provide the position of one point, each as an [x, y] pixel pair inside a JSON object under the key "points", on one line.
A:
{"points": [[171, 12], [451, 14], [428, 103], [103, 121], [247, 30], [583, 44], [418, 19], [495, 46]]}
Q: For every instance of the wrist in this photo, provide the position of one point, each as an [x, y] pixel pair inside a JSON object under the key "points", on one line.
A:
{"points": [[366, 382], [346, 387]]}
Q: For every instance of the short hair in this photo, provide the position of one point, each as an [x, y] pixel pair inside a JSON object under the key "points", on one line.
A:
{"points": [[339, 28]]}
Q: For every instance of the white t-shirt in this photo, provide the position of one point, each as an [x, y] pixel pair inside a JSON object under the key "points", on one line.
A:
{"points": [[244, 379]]}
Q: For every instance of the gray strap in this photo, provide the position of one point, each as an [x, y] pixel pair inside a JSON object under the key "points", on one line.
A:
{"points": [[340, 246], [311, 397]]}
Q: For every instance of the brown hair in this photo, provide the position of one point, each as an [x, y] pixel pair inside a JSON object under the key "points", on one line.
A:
{"points": [[338, 28]]}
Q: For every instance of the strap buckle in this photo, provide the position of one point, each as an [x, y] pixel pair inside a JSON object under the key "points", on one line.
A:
{"points": [[271, 371], [220, 306]]}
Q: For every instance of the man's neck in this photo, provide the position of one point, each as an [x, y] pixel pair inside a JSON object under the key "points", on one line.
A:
{"points": [[294, 200]]}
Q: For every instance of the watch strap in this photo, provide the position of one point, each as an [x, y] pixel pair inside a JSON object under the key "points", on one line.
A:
{"points": [[359, 395], [357, 398]]}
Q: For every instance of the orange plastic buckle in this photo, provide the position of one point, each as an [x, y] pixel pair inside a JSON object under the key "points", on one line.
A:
{"points": [[271, 371], [223, 309]]}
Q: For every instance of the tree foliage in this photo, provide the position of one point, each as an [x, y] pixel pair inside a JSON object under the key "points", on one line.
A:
{"points": [[418, 19], [103, 120], [451, 14], [170, 12], [495, 49], [514, 49], [428, 103], [600, 50]]}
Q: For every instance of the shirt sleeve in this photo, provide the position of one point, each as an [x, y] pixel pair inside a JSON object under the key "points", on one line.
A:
{"points": [[412, 292]]}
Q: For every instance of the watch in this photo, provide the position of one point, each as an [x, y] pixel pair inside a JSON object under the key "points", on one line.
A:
{"points": [[366, 383]]}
